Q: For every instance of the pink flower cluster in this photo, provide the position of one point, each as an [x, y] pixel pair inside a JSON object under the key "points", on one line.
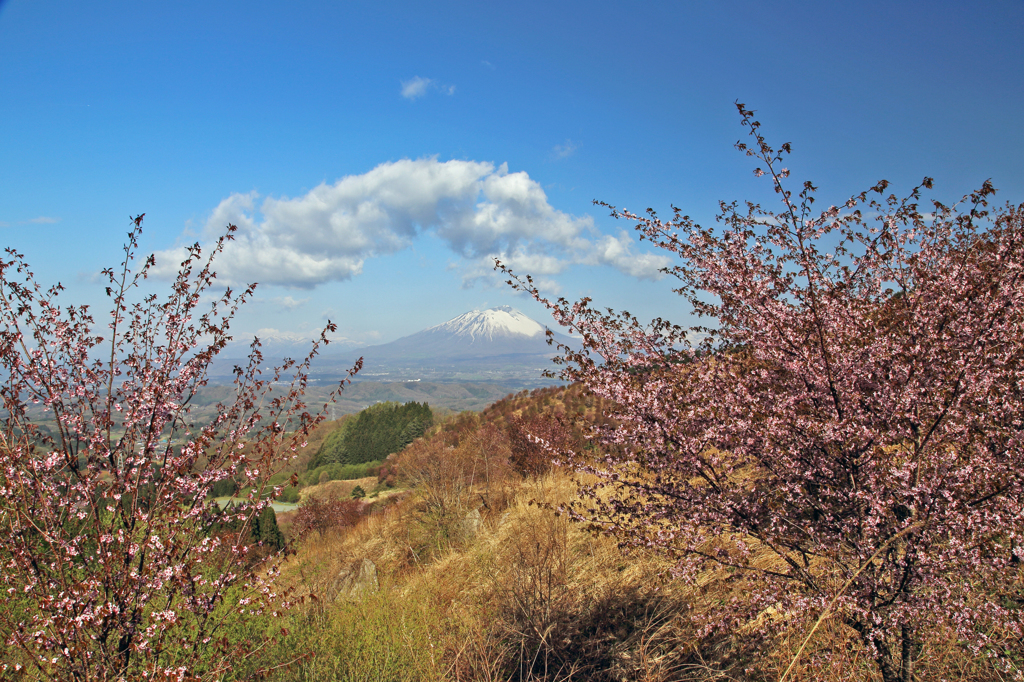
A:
{"points": [[111, 559], [845, 420]]}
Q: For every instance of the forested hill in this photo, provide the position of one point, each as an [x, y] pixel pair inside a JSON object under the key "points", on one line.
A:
{"points": [[374, 433]]}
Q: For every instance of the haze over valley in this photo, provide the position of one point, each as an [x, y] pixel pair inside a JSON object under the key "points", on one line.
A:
{"points": [[500, 349]]}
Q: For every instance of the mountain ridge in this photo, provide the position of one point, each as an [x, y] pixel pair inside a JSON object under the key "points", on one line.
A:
{"points": [[501, 320], [500, 344], [492, 333]]}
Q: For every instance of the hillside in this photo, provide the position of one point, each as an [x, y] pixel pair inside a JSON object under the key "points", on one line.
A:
{"points": [[459, 564]]}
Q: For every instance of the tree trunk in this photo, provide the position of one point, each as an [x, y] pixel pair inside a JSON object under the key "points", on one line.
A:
{"points": [[908, 646], [883, 656]]}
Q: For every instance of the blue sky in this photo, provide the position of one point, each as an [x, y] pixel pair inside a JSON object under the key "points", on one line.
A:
{"points": [[376, 154]]}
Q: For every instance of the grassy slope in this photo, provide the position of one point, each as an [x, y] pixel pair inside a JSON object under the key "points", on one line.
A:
{"points": [[521, 593]]}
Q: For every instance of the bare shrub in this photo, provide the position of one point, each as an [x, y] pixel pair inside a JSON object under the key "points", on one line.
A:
{"points": [[319, 516], [533, 590]]}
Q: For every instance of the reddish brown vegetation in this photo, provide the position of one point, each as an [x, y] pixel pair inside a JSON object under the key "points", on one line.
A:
{"points": [[320, 516]]}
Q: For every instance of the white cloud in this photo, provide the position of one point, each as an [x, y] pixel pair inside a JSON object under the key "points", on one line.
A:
{"points": [[288, 302], [478, 210], [562, 151], [618, 252], [415, 87], [418, 86]]}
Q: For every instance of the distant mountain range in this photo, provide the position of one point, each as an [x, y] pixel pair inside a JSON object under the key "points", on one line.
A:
{"points": [[495, 345]]}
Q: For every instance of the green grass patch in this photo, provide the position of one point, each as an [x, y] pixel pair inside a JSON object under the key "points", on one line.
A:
{"points": [[341, 472]]}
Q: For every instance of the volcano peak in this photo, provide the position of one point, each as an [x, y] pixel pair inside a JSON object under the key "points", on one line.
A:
{"points": [[503, 322]]}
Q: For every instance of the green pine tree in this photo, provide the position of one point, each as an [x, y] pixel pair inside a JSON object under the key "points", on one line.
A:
{"points": [[266, 530]]}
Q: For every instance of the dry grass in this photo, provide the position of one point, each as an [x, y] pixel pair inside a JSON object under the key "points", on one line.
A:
{"points": [[523, 594], [338, 490]]}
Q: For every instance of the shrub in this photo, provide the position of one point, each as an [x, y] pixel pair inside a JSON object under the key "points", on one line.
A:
{"points": [[845, 423], [533, 440], [106, 540], [318, 516]]}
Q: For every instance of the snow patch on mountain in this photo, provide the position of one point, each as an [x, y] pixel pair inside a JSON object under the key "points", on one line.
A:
{"points": [[491, 324]]}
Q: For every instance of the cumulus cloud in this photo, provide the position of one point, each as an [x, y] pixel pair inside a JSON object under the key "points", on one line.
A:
{"points": [[288, 302], [479, 210], [415, 87], [618, 252]]}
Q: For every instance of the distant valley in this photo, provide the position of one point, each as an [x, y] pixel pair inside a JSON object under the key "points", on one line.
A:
{"points": [[454, 396], [466, 363], [490, 352]]}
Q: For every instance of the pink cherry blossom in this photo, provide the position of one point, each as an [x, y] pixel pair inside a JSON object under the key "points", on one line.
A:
{"points": [[107, 532], [844, 422]]}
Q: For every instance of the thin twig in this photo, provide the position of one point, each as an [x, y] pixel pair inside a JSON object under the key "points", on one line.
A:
{"points": [[828, 609]]}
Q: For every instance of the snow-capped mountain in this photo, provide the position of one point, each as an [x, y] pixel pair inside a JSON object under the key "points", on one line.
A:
{"points": [[491, 324], [502, 331], [496, 345]]}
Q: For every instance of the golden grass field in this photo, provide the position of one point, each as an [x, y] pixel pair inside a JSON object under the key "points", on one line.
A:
{"points": [[486, 581]]}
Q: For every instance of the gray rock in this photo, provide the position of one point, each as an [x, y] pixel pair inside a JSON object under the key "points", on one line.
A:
{"points": [[471, 524], [358, 578]]}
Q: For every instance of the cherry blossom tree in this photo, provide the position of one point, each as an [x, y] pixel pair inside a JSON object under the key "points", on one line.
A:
{"points": [[844, 422], [111, 564]]}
